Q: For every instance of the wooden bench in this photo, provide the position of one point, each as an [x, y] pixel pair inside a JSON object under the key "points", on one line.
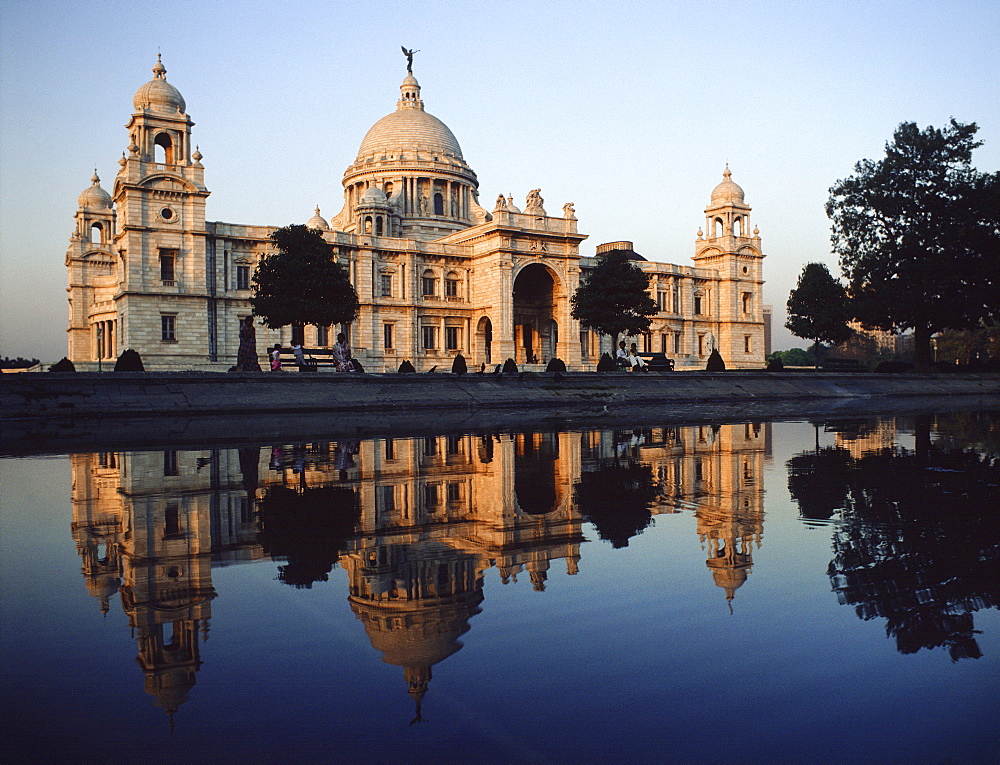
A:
{"points": [[657, 362], [316, 359]]}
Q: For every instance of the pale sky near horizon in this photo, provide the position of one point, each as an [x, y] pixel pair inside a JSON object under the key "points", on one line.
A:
{"points": [[628, 109]]}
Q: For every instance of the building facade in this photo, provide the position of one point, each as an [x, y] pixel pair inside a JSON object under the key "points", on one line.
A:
{"points": [[436, 273]]}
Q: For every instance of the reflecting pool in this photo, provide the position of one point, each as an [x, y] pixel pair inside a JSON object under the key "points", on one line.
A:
{"points": [[741, 592]]}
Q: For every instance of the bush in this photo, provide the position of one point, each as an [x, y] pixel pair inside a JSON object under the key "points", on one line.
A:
{"points": [[774, 364], [129, 361], [556, 365], [510, 367], [458, 366], [607, 364], [63, 365], [715, 362], [406, 368]]}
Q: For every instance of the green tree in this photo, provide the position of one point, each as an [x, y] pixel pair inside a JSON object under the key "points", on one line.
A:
{"points": [[302, 283], [614, 299], [817, 308], [918, 235]]}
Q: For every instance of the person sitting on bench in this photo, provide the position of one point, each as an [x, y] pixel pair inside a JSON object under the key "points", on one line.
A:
{"points": [[637, 361], [629, 359]]}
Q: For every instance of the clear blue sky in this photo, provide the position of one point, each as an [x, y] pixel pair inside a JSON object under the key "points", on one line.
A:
{"points": [[628, 109]]}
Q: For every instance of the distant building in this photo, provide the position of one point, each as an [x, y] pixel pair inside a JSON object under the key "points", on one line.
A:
{"points": [[436, 273]]}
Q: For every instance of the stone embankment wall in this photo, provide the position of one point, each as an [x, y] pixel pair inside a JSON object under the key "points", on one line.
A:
{"points": [[59, 414], [129, 394]]}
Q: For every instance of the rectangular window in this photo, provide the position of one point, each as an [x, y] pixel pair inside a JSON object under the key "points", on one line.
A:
{"points": [[701, 345], [387, 337], [167, 258], [451, 288], [390, 449], [663, 342], [385, 282], [170, 463], [428, 286], [746, 344], [171, 520], [677, 297], [661, 300], [677, 342], [242, 277], [747, 302], [385, 498], [452, 338], [168, 327], [454, 491], [429, 334], [430, 495], [322, 336], [430, 446], [647, 342], [697, 305]]}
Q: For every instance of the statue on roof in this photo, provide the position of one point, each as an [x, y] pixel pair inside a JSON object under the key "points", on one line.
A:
{"points": [[409, 58]]}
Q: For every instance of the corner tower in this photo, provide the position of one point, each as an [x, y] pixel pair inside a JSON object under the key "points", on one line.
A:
{"points": [[410, 178], [728, 248], [167, 269]]}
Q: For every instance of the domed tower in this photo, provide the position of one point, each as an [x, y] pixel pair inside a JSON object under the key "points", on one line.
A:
{"points": [[161, 236], [427, 190], [93, 276], [728, 248]]}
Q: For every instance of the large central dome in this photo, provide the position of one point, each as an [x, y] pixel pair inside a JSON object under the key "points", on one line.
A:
{"points": [[409, 129]]}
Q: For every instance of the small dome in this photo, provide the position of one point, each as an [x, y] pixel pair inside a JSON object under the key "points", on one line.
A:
{"points": [[727, 191], [373, 196], [94, 196], [318, 222], [158, 94]]}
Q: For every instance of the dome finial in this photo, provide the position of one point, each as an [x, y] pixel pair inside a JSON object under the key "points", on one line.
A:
{"points": [[159, 70], [726, 173], [95, 179]]}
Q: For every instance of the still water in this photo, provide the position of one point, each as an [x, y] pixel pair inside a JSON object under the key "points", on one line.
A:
{"points": [[748, 592]]}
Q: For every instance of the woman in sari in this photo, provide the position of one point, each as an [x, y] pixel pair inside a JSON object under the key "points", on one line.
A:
{"points": [[342, 354], [246, 356]]}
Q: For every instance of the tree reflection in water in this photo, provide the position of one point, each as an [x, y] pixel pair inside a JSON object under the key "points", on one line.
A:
{"points": [[308, 528], [616, 498], [919, 543]]}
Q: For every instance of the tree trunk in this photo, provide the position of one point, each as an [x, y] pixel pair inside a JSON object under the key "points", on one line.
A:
{"points": [[922, 348]]}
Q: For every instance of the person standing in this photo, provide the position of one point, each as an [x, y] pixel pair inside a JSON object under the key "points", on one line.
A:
{"points": [[342, 354], [276, 358], [246, 356]]}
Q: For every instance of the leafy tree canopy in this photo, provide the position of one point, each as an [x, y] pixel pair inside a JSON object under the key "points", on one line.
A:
{"points": [[18, 363], [817, 307], [614, 299], [918, 234], [302, 283]]}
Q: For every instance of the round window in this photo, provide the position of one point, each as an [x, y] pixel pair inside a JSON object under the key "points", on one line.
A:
{"points": [[167, 214], [744, 269]]}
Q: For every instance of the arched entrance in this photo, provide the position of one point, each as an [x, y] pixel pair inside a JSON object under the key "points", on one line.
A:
{"points": [[484, 341], [535, 329]]}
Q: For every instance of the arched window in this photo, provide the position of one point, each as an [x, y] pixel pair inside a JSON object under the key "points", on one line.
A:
{"points": [[451, 282], [719, 228], [163, 150], [387, 188], [378, 226], [738, 226], [438, 204], [368, 224], [428, 284], [97, 233]]}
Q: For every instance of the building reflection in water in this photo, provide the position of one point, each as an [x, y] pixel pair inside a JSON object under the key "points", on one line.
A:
{"points": [[414, 522], [917, 541]]}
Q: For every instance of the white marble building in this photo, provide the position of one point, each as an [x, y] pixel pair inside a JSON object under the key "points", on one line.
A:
{"points": [[436, 273]]}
